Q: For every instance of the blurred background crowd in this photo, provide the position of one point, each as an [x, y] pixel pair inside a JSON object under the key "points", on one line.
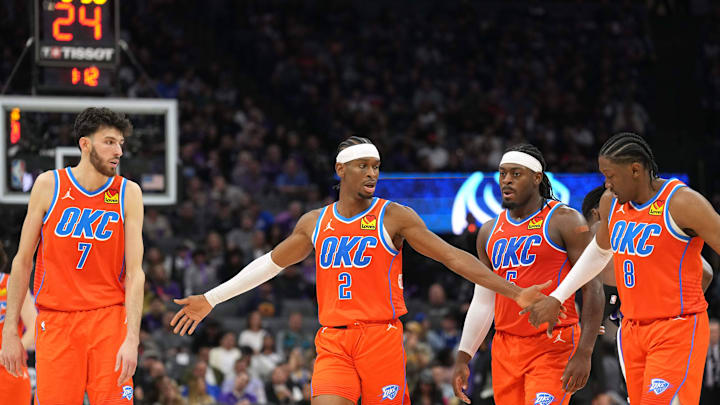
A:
{"points": [[438, 87]]}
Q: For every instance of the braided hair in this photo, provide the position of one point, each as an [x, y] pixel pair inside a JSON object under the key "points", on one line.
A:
{"points": [[627, 147], [545, 188], [353, 140]]}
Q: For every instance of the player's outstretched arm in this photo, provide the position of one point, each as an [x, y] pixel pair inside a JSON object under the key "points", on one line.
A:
{"points": [[591, 262], [126, 358], [477, 321], [294, 249], [409, 224], [13, 354]]}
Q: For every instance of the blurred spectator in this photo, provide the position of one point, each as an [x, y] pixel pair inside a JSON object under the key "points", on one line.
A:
{"points": [[294, 336], [239, 394], [447, 336], [153, 320], [426, 392], [156, 226], [437, 307], [197, 392], [279, 391], [169, 392], [418, 351], [264, 362], [255, 386], [203, 379], [254, 335], [223, 357], [161, 286], [233, 263], [200, 275]]}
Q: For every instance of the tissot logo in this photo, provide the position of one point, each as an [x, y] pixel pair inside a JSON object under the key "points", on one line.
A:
{"points": [[77, 53]]}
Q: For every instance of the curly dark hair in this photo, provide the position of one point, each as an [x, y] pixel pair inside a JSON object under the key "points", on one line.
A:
{"points": [[92, 119]]}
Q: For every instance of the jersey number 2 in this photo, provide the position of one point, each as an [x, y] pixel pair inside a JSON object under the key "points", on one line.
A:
{"points": [[85, 249], [344, 292]]}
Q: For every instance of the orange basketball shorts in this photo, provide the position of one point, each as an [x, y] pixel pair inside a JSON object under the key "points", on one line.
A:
{"points": [[14, 390], [75, 353], [664, 358], [366, 359], [526, 370]]}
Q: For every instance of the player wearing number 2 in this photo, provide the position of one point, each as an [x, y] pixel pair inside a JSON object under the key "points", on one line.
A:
{"points": [[358, 255], [654, 229], [88, 276]]}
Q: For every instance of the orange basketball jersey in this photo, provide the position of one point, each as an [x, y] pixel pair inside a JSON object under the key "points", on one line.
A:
{"points": [[81, 256], [3, 305], [359, 271], [521, 252], [657, 266]]}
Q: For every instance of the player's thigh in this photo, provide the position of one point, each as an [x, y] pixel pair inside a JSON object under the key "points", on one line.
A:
{"points": [[674, 367], [543, 384], [507, 367], [632, 355], [60, 359], [109, 333], [14, 390], [334, 374], [380, 361]]}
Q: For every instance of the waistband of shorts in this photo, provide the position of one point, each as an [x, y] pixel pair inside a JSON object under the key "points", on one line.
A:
{"points": [[362, 324], [541, 332], [643, 322], [51, 310]]}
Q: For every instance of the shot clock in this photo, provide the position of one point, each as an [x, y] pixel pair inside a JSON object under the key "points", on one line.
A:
{"points": [[76, 48]]}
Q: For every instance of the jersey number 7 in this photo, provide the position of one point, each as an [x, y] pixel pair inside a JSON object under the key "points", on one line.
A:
{"points": [[85, 249]]}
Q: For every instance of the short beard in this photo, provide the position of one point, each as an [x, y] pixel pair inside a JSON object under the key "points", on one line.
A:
{"points": [[509, 205], [98, 164]]}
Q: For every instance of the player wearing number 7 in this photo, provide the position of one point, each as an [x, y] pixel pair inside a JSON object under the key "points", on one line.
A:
{"points": [[655, 231], [358, 256], [88, 277]]}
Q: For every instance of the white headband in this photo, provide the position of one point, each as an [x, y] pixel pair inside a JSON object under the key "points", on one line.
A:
{"points": [[523, 159], [362, 150]]}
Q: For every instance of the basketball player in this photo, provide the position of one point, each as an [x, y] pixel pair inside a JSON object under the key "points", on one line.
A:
{"points": [[534, 238], [591, 213], [358, 243], [88, 276], [16, 390], [655, 231]]}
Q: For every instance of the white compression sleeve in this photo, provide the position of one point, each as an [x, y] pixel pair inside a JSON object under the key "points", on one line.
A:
{"points": [[589, 265], [478, 320], [257, 272]]}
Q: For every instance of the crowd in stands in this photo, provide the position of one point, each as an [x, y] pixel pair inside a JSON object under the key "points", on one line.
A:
{"points": [[268, 89]]}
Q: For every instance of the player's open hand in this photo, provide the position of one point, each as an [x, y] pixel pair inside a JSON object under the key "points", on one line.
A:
{"points": [[461, 372], [547, 310], [195, 309], [13, 355], [532, 294], [126, 360], [576, 372]]}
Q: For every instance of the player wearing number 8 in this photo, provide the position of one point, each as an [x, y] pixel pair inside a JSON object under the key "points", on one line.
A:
{"points": [[88, 277], [358, 255], [655, 231]]}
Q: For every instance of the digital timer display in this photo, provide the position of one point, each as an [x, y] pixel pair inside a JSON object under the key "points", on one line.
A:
{"points": [[90, 79], [75, 33]]}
